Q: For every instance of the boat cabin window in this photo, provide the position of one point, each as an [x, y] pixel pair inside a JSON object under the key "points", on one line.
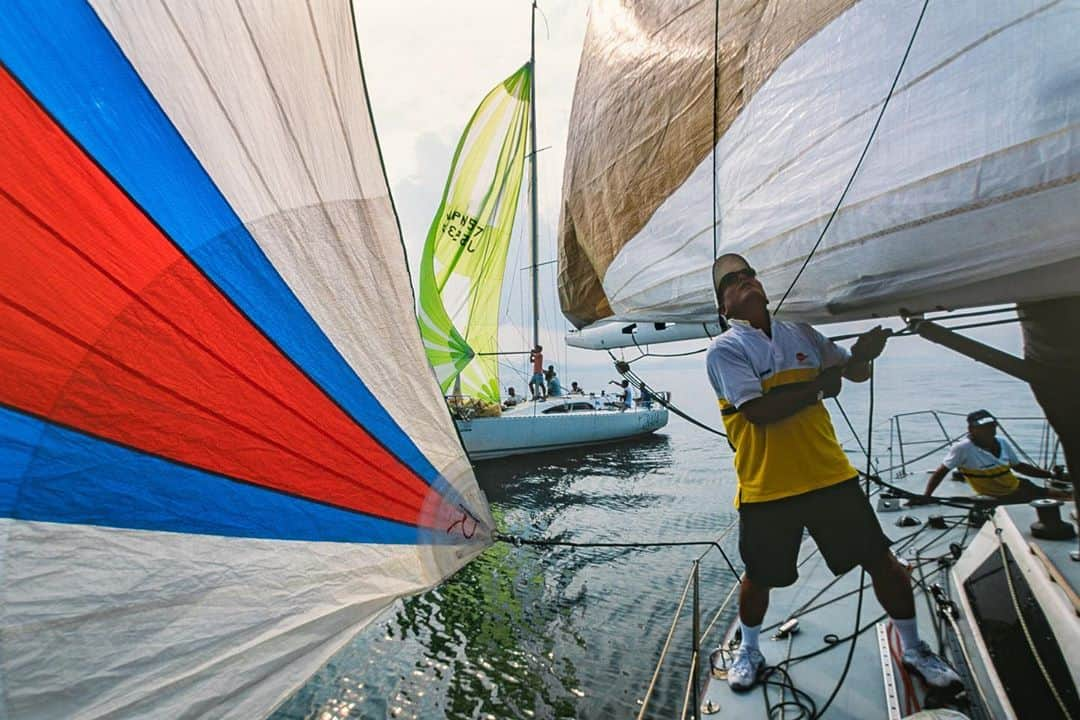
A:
{"points": [[557, 409]]}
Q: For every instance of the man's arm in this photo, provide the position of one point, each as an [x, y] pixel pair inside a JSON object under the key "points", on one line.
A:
{"points": [[785, 401], [1032, 471], [935, 480], [857, 371], [869, 345]]}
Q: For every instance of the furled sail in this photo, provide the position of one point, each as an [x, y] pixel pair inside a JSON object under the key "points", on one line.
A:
{"points": [[968, 194], [461, 270], [222, 450]]}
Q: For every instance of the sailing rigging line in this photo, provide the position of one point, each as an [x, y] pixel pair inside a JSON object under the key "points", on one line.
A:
{"points": [[855, 171], [664, 649], [517, 541], [623, 369], [715, 129], [645, 351], [869, 469], [1023, 622]]}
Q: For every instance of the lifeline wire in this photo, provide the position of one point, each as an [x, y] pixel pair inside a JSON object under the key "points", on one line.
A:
{"points": [[862, 156], [862, 575], [623, 369], [655, 544]]}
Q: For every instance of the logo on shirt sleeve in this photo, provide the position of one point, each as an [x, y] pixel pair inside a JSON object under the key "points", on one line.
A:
{"points": [[801, 357]]}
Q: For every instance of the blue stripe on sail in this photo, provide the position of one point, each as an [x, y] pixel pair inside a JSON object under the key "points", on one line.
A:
{"points": [[52, 474], [68, 60]]}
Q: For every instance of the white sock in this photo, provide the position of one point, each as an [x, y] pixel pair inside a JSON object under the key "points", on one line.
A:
{"points": [[909, 631], [749, 635]]}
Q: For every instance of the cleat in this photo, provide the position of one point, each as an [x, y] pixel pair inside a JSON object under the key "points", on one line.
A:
{"points": [[934, 671], [745, 669]]}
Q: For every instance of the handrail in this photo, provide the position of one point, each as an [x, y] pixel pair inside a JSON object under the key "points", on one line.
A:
{"points": [[691, 582]]}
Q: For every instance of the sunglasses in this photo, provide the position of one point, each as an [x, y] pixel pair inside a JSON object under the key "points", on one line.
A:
{"points": [[735, 276]]}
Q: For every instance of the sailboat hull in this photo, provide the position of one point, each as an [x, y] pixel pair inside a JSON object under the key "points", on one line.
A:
{"points": [[542, 427]]}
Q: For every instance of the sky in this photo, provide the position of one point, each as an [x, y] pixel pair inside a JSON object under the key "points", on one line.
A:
{"points": [[428, 63]]}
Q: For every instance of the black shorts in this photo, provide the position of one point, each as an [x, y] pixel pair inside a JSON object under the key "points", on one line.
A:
{"points": [[839, 518]]}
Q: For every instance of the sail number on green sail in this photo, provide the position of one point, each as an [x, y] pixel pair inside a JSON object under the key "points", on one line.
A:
{"points": [[461, 270]]}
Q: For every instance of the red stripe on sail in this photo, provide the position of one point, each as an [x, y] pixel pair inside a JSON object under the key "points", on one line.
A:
{"points": [[105, 326]]}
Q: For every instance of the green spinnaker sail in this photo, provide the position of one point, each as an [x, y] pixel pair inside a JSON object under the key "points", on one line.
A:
{"points": [[461, 270]]}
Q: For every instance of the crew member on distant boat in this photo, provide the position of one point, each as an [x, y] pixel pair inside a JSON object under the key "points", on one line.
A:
{"points": [[512, 398], [536, 385], [575, 389], [626, 397], [770, 377], [554, 386], [987, 463]]}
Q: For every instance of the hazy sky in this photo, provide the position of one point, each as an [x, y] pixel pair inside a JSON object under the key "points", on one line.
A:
{"points": [[428, 64]]}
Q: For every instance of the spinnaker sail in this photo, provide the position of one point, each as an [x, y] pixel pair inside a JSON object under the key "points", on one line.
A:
{"points": [[967, 195], [461, 270], [222, 450]]}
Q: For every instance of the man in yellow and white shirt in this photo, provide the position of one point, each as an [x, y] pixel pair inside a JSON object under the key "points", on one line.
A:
{"points": [[770, 377], [987, 463]]}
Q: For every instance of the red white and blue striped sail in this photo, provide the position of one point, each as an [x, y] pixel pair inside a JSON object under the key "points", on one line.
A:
{"points": [[222, 450]]}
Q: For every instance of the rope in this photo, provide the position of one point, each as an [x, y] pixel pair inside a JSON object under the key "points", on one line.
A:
{"points": [[862, 156], [678, 611], [663, 651], [1023, 622], [690, 683], [967, 659], [645, 353], [862, 573], [514, 540], [623, 369], [715, 124]]}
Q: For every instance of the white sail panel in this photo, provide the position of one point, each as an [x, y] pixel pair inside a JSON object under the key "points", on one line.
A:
{"points": [[193, 635], [966, 196]]}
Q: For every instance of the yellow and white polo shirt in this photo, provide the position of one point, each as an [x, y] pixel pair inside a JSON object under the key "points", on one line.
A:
{"points": [[986, 473], [799, 453]]}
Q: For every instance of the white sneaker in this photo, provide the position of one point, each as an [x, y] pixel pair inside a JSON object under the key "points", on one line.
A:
{"points": [[934, 671], [745, 668]]}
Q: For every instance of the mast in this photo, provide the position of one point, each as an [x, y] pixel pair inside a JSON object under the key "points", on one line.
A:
{"points": [[533, 232]]}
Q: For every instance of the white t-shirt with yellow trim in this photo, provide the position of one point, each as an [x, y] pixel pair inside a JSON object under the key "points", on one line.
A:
{"points": [[799, 453], [985, 472]]}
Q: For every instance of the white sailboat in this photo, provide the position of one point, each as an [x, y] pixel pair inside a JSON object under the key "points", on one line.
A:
{"points": [[460, 282]]}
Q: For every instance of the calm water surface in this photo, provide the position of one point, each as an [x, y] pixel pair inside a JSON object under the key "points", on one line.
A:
{"points": [[526, 632]]}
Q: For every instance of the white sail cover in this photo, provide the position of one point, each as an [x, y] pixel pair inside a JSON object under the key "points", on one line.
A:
{"points": [[222, 450], [968, 195]]}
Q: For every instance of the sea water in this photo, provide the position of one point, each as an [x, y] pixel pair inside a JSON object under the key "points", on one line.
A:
{"points": [[560, 632]]}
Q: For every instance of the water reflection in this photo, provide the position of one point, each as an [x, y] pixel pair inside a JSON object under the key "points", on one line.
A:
{"points": [[526, 632]]}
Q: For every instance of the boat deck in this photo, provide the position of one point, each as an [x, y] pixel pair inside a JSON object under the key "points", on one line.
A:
{"points": [[877, 686], [1055, 556]]}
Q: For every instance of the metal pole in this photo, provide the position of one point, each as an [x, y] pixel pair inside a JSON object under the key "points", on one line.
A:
{"points": [[534, 242], [892, 430], [1026, 370], [900, 447], [944, 432], [696, 655]]}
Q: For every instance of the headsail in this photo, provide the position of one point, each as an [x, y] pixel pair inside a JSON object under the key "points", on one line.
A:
{"points": [[967, 195], [211, 471], [461, 270]]}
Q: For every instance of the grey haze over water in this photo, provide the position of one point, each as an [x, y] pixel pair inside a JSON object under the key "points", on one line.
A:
{"points": [[524, 632]]}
